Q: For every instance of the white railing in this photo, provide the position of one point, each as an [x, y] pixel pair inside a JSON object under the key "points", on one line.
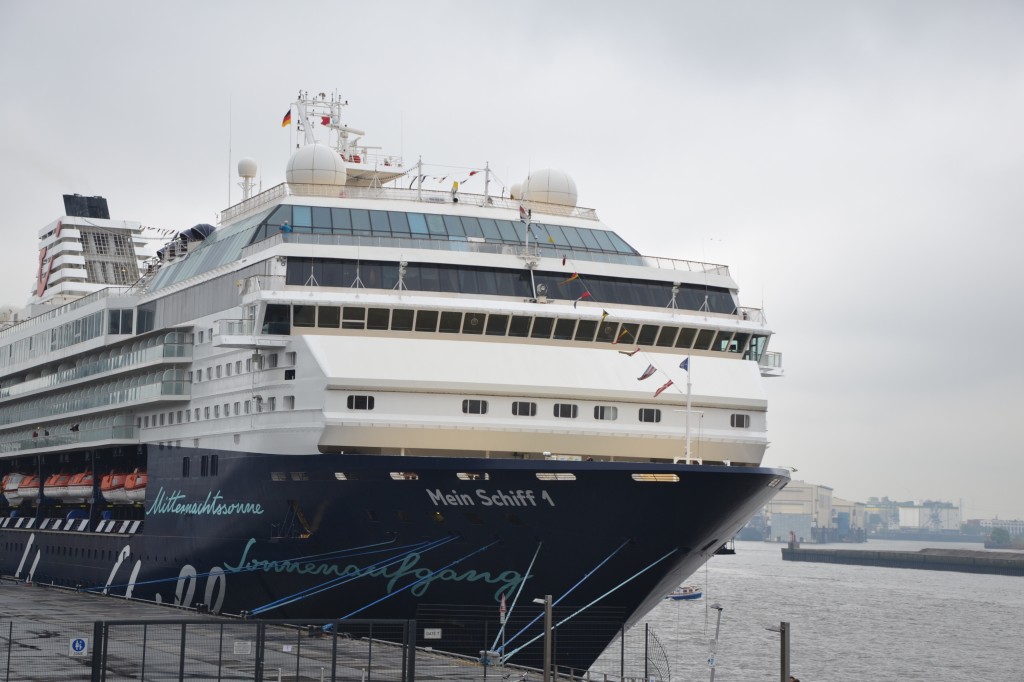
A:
{"points": [[75, 438], [64, 309], [771, 359], [267, 198]]}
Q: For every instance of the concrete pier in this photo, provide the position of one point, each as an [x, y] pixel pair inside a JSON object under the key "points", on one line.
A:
{"points": [[931, 559]]}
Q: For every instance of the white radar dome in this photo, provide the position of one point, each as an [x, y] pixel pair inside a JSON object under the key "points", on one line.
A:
{"points": [[551, 187], [316, 164], [516, 191], [247, 168]]}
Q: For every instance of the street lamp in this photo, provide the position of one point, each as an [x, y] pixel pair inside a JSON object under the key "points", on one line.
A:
{"points": [[546, 601], [783, 631], [714, 643]]}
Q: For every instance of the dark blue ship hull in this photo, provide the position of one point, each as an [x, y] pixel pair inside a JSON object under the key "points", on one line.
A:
{"points": [[369, 536]]}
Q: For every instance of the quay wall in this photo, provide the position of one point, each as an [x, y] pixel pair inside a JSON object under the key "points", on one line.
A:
{"points": [[963, 561]]}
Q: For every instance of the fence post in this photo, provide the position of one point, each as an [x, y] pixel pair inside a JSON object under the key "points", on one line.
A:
{"points": [[144, 633], [10, 636], [181, 656], [334, 651], [260, 642], [98, 646], [622, 653], [298, 652], [410, 651], [369, 652]]}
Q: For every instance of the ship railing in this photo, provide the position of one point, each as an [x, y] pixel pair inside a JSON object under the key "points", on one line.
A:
{"points": [[63, 309], [234, 327], [73, 438], [170, 384], [266, 198], [463, 244], [771, 359], [752, 315], [102, 365]]}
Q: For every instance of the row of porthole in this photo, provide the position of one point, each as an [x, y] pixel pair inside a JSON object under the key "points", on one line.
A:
{"points": [[475, 476]]}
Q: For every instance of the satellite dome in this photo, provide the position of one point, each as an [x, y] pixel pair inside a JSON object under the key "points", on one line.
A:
{"points": [[550, 186], [516, 191], [316, 164], [247, 168]]}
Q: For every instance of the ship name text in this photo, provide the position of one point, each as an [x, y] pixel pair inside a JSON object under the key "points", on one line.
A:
{"points": [[213, 505], [486, 498]]}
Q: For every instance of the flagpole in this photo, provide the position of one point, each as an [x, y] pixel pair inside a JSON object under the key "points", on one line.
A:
{"points": [[688, 396]]}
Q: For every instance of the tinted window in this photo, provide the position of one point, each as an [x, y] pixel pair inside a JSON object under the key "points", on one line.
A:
{"points": [[417, 223], [329, 316], [342, 221], [399, 222]]}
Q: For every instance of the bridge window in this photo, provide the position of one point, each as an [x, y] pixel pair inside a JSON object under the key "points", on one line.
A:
{"points": [[566, 410], [474, 406], [360, 402], [739, 421], [524, 409]]}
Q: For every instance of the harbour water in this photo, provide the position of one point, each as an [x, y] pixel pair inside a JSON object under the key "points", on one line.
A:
{"points": [[851, 623]]}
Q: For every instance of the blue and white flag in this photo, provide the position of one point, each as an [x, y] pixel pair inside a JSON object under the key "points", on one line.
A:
{"points": [[685, 364]]}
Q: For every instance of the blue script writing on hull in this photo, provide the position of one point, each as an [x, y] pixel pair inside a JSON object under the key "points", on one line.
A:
{"points": [[213, 505], [398, 575]]}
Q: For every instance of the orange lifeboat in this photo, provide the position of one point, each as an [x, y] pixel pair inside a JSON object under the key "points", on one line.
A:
{"points": [[10, 488], [56, 487], [135, 486], [28, 487], [112, 487], [80, 487]]}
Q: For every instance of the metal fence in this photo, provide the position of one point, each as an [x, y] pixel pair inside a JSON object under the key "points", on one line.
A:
{"points": [[274, 651]]}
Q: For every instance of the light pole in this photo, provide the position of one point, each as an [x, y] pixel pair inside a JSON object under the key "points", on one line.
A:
{"points": [[546, 601], [783, 631], [714, 643]]}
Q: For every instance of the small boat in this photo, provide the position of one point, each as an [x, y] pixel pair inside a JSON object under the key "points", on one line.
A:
{"points": [[684, 592], [112, 487], [28, 487], [135, 486], [80, 487], [56, 487], [10, 488]]}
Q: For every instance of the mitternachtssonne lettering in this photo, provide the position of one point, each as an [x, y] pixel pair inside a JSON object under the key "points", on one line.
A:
{"points": [[213, 505]]}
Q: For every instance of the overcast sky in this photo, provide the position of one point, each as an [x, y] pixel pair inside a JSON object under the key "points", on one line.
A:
{"points": [[858, 165]]}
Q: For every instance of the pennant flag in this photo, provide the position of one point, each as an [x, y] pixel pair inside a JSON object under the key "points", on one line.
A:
{"points": [[551, 240], [325, 120], [525, 213], [621, 334], [666, 385], [286, 121], [685, 364], [630, 353], [586, 294], [575, 275], [604, 314], [647, 372], [471, 174]]}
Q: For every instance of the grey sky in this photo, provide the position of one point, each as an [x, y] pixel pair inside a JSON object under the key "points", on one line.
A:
{"points": [[859, 165]]}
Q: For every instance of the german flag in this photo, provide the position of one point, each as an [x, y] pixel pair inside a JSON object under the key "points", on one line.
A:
{"points": [[286, 121]]}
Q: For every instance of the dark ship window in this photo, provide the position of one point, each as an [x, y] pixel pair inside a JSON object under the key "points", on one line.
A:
{"points": [[513, 519], [739, 421], [299, 476], [278, 476], [650, 414], [338, 475], [566, 410], [606, 412], [474, 406], [524, 409], [474, 518], [473, 476], [403, 516], [360, 402], [404, 476]]}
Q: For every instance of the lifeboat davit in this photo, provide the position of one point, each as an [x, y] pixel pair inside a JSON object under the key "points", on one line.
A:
{"points": [[28, 487], [112, 487], [56, 487], [80, 487], [135, 486], [10, 488]]}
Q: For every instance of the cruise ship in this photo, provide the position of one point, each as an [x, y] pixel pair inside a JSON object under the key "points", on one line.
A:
{"points": [[363, 394]]}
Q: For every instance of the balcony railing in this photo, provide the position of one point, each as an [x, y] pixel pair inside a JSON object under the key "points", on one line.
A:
{"points": [[129, 433]]}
